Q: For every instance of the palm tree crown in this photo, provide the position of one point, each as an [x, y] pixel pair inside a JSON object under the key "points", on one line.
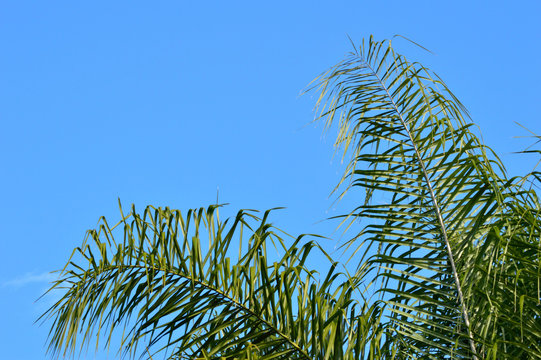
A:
{"points": [[448, 265]]}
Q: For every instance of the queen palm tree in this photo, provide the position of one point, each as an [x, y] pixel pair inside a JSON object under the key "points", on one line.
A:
{"points": [[444, 264]]}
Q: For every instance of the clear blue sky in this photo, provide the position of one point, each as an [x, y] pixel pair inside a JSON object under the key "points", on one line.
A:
{"points": [[162, 102]]}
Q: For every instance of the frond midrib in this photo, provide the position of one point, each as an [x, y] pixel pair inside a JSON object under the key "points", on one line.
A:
{"points": [[433, 198]]}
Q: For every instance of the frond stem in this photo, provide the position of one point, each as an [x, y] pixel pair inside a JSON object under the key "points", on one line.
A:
{"points": [[434, 202]]}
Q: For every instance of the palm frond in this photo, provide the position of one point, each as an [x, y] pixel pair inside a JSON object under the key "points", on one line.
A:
{"points": [[435, 199], [163, 284]]}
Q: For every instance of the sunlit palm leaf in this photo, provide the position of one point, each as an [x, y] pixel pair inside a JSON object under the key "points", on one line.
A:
{"points": [[435, 195], [180, 293]]}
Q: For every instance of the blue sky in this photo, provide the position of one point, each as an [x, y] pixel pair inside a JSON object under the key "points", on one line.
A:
{"points": [[163, 102]]}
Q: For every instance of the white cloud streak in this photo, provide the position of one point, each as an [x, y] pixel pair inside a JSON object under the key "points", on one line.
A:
{"points": [[30, 278]]}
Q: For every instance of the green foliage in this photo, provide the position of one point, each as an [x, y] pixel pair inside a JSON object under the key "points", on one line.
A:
{"points": [[218, 300], [448, 265]]}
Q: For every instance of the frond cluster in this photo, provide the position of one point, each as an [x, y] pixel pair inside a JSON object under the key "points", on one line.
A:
{"points": [[446, 263]]}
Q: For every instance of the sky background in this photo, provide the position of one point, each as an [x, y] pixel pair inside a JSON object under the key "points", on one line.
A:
{"points": [[163, 102]]}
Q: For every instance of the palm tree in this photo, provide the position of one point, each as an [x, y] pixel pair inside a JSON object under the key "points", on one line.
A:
{"points": [[448, 265]]}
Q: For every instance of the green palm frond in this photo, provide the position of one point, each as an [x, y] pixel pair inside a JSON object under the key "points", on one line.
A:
{"points": [[163, 284], [437, 201]]}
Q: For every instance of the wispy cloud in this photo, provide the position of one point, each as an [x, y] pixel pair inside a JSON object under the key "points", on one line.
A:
{"points": [[30, 278]]}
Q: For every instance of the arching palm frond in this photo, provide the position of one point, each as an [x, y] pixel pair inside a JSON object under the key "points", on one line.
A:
{"points": [[453, 243], [170, 289]]}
